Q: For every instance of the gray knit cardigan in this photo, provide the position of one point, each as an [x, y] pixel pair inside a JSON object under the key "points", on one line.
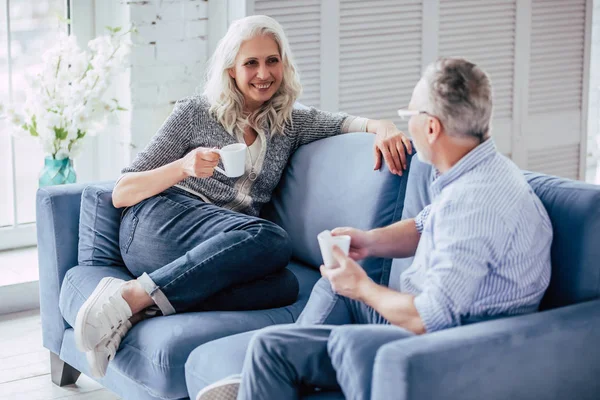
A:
{"points": [[190, 125]]}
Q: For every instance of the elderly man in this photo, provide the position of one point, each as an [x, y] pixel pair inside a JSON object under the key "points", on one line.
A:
{"points": [[482, 250]]}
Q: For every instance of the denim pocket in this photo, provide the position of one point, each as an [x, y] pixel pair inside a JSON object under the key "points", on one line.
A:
{"points": [[128, 225]]}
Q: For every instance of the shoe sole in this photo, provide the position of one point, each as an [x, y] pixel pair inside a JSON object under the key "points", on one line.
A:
{"points": [[80, 341], [94, 369], [227, 390]]}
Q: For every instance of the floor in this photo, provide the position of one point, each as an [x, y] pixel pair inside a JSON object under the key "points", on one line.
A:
{"points": [[25, 364]]}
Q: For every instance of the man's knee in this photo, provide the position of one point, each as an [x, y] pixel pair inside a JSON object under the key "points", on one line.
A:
{"points": [[270, 338], [345, 338]]}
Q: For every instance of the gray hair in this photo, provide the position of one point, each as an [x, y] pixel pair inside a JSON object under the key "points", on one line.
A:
{"points": [[227, 102], [460, 96]]}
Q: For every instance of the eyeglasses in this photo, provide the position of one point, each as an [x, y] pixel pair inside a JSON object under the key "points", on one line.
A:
{"points": [[405, 113]]}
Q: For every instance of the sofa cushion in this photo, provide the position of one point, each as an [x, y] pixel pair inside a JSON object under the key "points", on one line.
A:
{"points": [[99, 223], [201, 370], [331, 183], [574, 209], [154, 352]]}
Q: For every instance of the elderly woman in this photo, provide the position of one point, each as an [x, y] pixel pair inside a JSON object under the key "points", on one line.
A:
{"points": [[190, 232]]}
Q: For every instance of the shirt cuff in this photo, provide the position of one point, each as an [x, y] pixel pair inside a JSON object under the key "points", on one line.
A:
{"points": [[431, 313], [421, 218], [354, 124]]}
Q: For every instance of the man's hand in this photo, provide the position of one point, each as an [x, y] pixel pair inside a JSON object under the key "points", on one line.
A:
{"points": [[349, 279], [391, 143], [360, 243]]}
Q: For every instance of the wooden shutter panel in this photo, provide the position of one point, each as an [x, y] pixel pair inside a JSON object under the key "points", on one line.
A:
{"points": [[556, 64], [380, 56], [301, 21], [556, 83], [484, 33]]}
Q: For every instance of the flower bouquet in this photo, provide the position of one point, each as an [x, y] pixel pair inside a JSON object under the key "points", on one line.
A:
{"points": [[65, 102]]}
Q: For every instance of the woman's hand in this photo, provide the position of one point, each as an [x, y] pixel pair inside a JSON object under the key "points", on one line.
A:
{"points": [[360, 242], [200, 162], [391, 143]]}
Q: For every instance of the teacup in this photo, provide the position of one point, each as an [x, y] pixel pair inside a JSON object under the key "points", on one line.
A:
{"points": [[326, 243], [233, 157]]}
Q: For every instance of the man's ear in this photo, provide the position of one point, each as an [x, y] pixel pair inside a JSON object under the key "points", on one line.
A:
{"points": [[231, 72], [434, 129]]}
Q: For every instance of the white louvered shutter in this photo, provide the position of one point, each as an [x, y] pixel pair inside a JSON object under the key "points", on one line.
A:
{"points": [[484, 32], [301, 21], [380, 56], [556, 82]]}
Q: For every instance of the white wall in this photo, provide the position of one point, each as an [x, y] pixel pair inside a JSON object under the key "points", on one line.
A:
{"points": [[167, 63]]}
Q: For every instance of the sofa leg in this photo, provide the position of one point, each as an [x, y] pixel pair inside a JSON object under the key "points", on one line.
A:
{"points": [[61, 372]]}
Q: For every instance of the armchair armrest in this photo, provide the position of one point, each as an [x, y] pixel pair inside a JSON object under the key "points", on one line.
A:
{"points": [[57, 209], [548, 355]]}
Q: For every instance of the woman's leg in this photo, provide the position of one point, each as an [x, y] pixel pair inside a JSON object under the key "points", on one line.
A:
{"points": [[185, 251], [279, 289]]}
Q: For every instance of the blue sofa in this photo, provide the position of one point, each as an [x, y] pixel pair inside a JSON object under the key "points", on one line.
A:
{"points": [[552, 354]]}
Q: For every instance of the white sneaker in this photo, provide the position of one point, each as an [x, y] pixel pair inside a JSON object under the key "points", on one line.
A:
{"points": [[225, 389], [105, 351], [101, 314]]}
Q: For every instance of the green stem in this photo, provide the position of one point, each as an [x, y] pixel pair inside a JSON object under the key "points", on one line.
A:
{"points": [[56, 73], [93, 86]]}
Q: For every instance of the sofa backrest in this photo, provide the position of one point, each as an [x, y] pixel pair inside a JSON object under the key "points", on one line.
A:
{"points": [[331, 183], [417, 196], [574, 209]]}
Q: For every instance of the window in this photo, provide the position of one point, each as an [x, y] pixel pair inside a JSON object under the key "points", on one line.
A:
{"points": [[26, 29]]}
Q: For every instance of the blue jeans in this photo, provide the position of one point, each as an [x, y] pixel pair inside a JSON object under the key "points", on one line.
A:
{"points": [[189, 254], [284, 361]]}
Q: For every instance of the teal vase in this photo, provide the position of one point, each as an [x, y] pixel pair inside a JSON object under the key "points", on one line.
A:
{"points": [[57, 172]]}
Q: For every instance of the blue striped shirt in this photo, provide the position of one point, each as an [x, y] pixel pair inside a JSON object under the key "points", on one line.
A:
{"points": [[485, 244]]}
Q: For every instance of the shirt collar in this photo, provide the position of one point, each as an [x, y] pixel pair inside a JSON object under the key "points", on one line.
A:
{"points": [[471, 160]]}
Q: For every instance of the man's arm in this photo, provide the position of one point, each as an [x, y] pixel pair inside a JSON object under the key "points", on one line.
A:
{"points": [[398, 308], [399, 240]]}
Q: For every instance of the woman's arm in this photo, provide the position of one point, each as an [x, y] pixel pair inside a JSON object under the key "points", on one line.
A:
{"points": [[134, 187], [312, 124], [164, 163], [391, 143]]}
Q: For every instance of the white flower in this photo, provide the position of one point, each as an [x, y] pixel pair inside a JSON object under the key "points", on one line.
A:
{"points": [[64, 97]]}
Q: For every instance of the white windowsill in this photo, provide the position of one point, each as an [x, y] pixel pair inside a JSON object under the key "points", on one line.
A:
{"points": [[19, 280]]}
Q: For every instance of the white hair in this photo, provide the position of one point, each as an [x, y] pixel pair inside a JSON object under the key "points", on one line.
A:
{"points": [[460, 95], [227, 102]]}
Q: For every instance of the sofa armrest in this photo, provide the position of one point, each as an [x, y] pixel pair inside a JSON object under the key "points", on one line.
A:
{"points": [[57, 209], [547, 355]]}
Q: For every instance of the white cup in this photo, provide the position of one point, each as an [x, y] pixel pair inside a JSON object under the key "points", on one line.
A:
{"points": [[233, 157], [326, 243]]}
